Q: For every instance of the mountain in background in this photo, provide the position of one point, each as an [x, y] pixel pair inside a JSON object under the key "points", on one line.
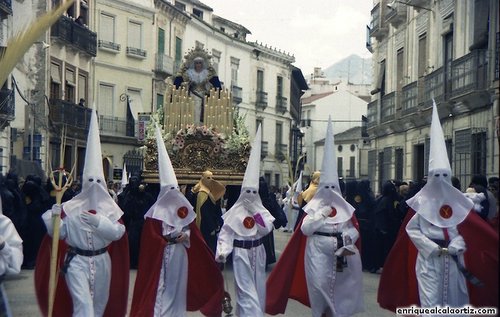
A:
{"points": [[353, 68]]}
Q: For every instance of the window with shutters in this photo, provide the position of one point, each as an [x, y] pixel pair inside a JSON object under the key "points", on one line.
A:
{"points": [[462, 158], [107, 40], [235, 64], [134, 40], [478, 153], [105, 99], [55, 81], [372, 164], [340, 166], [399, 72], [161, 41], [178, 53], [70, 83], [398, 162], [82, 86]]}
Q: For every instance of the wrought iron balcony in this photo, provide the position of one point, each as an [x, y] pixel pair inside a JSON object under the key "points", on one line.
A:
{"points": [[261, 100], [264, 149], [7, 105], [281, 104], [372, 114], [69, 114], [5, 7], [164, 64], [388, 107], [409, 98], [378, 29], [469, 75], [76, 35], [434, 87], [136, 52], [237, 94], [116, 126], [281, 151], [396, 14], [109, 46]]}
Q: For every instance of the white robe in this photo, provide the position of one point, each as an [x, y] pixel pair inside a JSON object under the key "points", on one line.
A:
{"points": [[331, 292], [88, 277], [249, 266], [172, 284], [11, 256], [440, 283]]}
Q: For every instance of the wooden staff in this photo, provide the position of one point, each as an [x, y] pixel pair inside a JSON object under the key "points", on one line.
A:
{"points": [[60, 188]]}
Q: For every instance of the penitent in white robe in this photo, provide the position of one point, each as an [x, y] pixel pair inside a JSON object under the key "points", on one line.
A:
{"points": [[249, 267], [88, 277], [11, 256], [331, 292], [440, 283], [172, 284]]}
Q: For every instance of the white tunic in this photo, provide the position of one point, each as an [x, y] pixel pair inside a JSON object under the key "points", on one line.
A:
{"points": [[88, 277], [11, 256], [440, 283], [249, 266], [172, 284], [331, 292]]}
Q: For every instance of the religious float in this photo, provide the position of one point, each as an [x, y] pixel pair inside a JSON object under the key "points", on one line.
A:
{"points": [[201, 129]]}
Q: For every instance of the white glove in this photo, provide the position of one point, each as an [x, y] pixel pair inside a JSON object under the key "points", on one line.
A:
{"points": [[56, 210], [326, 211], [90, 218]]}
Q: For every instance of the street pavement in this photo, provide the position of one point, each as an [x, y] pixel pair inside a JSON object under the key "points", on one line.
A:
{"points": [[20, 291]]}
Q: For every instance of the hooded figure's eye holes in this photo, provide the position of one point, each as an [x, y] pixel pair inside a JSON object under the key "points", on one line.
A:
{"points": [[99, 181], [91, 179], [248, 191], [445, 175], [255, 192], [437, 175], [172, 187]]}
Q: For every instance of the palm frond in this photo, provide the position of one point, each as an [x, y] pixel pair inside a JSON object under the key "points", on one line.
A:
{"points": [[20, 44]]}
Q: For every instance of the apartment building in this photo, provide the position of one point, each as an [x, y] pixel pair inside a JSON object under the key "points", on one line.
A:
{"points": [[443, 50]]}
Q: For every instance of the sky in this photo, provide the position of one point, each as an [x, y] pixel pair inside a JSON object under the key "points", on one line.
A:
{"points": [[318, 33]]}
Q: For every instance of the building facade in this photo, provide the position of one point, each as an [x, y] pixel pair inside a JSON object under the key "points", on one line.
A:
{"points": [[443, 50]]}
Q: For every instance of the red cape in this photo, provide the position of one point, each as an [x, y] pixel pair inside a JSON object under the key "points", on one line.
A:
{"points": [[398, 284], [205, 283], [63, 306], [288, 278]]}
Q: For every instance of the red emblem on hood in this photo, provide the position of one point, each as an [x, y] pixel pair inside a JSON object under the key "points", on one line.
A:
{"points": [[182, 212], [249, 222], [333, 213], [446, 211]]}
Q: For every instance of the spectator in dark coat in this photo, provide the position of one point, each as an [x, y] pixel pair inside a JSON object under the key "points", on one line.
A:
{"points": [[269, 201], [134, 201], [387, 221]]}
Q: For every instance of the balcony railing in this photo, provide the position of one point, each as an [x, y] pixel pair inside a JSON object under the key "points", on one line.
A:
{"points": [[377, 28], [7, 105], [261, 99], [434, 87], [469, 73], [264, 149], [116, 126], [409, 98], [396, 14], [109, 46], [164, 64], [70, 114], [5, 7], [75, 34], [136, 52], [372, 113], [281, 104], [388, 107], [280, 152], [237, 94]]}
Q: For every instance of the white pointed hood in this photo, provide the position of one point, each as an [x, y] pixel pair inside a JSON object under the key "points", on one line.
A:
{"points": [[328, 194], [171, 206], [94, 194], [124, 176], [249, 198], [438, 201], [297, 189]]}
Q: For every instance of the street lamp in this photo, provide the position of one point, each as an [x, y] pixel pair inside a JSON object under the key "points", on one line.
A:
{"points": [[393, 4]]}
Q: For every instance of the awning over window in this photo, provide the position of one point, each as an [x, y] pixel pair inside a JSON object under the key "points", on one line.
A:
{"points": [[135, 103], [380, 79]]}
